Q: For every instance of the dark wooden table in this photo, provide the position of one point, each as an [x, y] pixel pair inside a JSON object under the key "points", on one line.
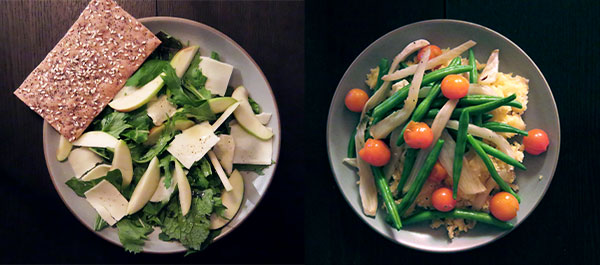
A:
{"points": [[560, 36], [36, 227]]}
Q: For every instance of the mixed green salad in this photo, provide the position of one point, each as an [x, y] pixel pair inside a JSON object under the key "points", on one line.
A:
{"points": [[168, 149]]}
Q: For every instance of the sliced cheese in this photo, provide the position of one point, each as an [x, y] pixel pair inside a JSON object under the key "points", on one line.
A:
{"points": [[193, 143], [249, 149], [96, 139], [264, 117], [97, 172], [104, 214], [82, 160], [224, 116], [219, 169], [224, 150], [160, 109], [106, 195], [217, 75]]}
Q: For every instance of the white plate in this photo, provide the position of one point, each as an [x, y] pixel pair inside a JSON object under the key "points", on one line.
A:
{"points": [[246, 73]]}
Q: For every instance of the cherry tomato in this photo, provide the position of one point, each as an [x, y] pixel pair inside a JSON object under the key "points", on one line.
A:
{"points": [[442, 200], [435, 51], [504, 206], [455, 86], [356, 99], [418, 135], [438, 173], [375, 152], [536, 142]]}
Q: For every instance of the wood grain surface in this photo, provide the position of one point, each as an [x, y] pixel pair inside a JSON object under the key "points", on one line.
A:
{"points": [[560, 36], [37, 227]]}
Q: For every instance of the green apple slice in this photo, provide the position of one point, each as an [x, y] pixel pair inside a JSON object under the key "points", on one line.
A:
{"points": [[156, 131], [231, 199], [264, 117], [145, 188], [64, 148], [224, 150], [82, 160], [97, 172], [122, 162], [225, 115], [219, 169], [96, 139], [185, 192], [181, 61], [162, 193], [220, 104], [246, 118]]}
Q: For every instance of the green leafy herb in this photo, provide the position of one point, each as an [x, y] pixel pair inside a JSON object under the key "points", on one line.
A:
{"points": [[193, 229], [194, 80], [165, 165], [199, 173], [114, 123], [147, 72], [103, 152], [201, 112], [163, 139], [133, 234], [255, 168], [136, 135], [81, 186], [100, 224], [167, 48], [255, 107], [215, 56]]}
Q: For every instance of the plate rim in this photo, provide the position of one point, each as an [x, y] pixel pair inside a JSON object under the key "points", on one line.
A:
{"points": [[194, 23], [359, 211]]}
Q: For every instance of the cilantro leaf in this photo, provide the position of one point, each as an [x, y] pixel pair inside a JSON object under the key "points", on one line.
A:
{"points": [[258, 169], [201, 112], [194, 81], [163, 139], [255, 107], [133, 233], [148, 71], [136, 135], [81, 186], [99, 224], [167, 48], [193, 229], [215, 56], [199, 173], [165, 165], [115, 123]]}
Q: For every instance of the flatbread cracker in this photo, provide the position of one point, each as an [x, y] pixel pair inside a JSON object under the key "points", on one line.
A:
{"points": [[87, 67]]}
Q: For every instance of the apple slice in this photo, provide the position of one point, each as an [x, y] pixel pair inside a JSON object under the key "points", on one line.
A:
{"points": [[264, 117], [181, 61], [162, 193], [82, 160], [145, 188], [156, 131], [185, 192], [231, 199], [224, 116], [224, 150], [64, 148], [160, 109], [97, 172], [246, 118], [98, 139], [220, 104], [219, 169], [122, 162]]}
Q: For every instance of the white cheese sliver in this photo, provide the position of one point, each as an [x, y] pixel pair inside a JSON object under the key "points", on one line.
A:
{"points": [[217, 75], [249, 149], [82, 160], [104, 214], [159, 109], [107, 195], [193, 143]]}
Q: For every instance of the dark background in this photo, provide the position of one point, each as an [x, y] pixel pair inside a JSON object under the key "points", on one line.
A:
{"points": [[35, 225], [560, 36]]}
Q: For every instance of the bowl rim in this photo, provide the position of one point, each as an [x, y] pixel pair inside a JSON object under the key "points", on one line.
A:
{"points": [[358, 210], [169, 19]]}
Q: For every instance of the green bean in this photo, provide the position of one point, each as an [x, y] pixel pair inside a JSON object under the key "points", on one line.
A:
{"points": [[473, 75], [503, 127], [483, 108], [460, 214], [384, 188], [388, 104], [409, 162], [384, 68], [423, 107], [486, 116], [500, 155], [478, 119], [471, 100], [459, 150], [417, 185], [351, 145], [490, 166]]}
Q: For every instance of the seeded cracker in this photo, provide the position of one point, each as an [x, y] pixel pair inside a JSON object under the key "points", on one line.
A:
{"points": [[87, 67]]}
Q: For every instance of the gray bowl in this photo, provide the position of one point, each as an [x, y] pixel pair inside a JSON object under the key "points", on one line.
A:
{"points": [[541, 113]]}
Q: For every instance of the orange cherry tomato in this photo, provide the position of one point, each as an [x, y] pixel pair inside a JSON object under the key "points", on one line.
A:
{"points": [[418, 135], [442, 200], [455, 86], [375, 152], [438, 173], [356, 99], [536, 142], [435, 51], [504, 206]]}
